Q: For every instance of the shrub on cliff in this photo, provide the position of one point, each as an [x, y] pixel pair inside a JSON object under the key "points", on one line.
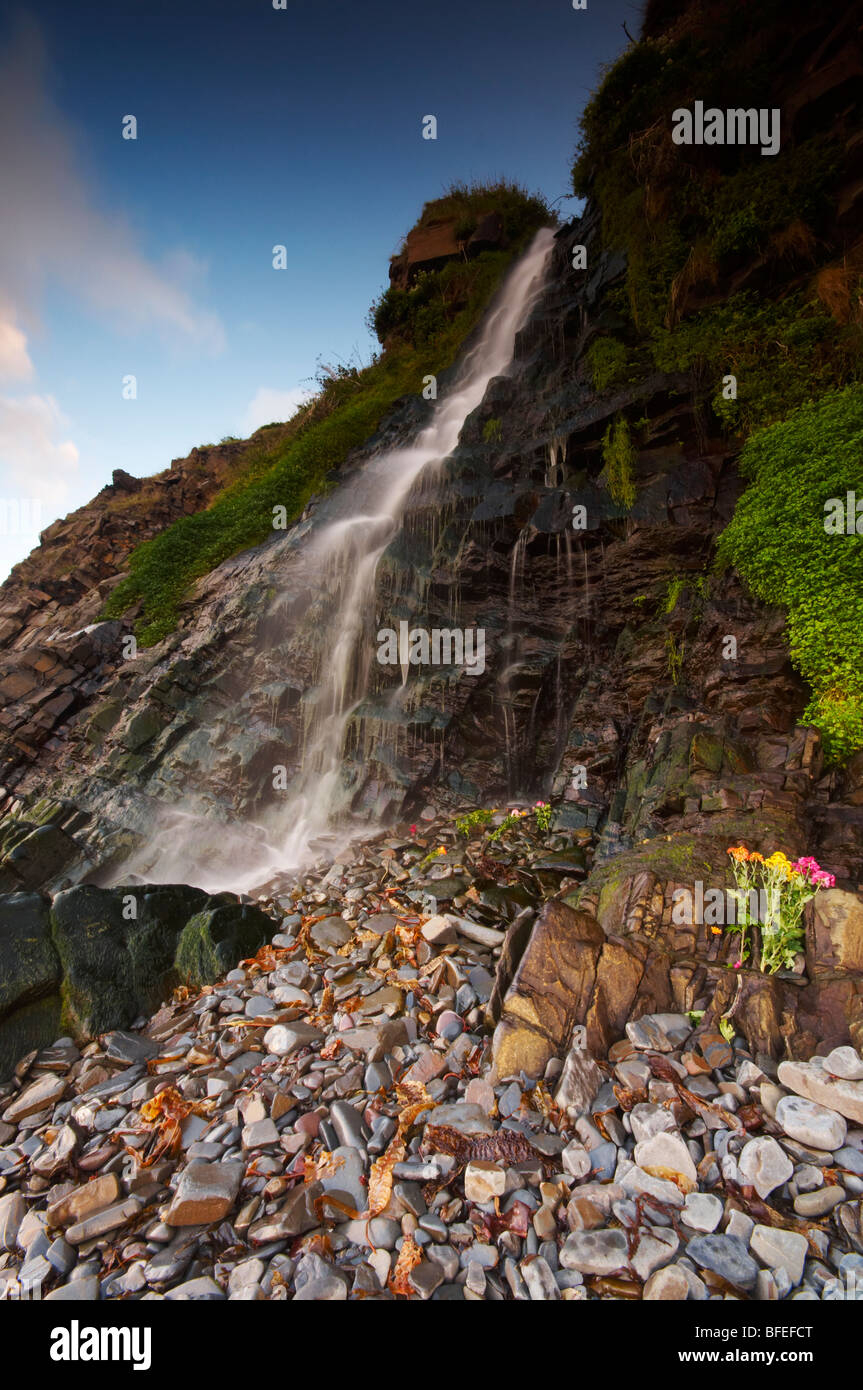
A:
{"points": [[778, 542]]}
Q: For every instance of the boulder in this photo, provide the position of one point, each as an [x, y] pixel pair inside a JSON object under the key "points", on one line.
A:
{"points": [[550, 991], [30, 976]]}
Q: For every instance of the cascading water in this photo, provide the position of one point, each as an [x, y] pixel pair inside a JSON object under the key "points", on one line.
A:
{"points": [[350, 550]]}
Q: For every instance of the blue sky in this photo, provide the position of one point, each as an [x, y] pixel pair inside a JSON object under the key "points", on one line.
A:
{"points": [[256, 127]]}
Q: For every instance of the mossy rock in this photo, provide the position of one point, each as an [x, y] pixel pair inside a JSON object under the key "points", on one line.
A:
{"points": [[214, 940], [142, 729], [38, 859], [116, 948], [29, 964]]}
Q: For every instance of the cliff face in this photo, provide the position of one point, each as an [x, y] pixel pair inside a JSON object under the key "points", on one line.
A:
{"points": [[575, 524]]}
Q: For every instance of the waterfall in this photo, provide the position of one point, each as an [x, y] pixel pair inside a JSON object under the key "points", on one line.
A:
{"points": [[349, 551]]}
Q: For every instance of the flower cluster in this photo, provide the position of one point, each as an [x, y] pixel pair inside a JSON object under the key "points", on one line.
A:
{"points": [[781, 891]]}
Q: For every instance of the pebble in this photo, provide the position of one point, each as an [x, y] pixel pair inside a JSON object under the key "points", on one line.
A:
{"points": [[818, 1203], [483, 1181], [764, 1165], [668, 1283], [811, 1123], [702, 1212], [726, 1256], [844, 1062], [780, 1249]]}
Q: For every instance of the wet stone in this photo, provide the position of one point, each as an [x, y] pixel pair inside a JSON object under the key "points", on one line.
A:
{"points": [[726, 1256], [205, 1193], [595, 1252]]}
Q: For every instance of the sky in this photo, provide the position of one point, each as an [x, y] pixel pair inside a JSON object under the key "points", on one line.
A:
{"points": [[140, 311]]}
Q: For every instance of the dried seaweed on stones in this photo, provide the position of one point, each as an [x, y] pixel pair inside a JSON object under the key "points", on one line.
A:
{"points": [[541, 1099], [664, 1071], [327, 1199], [409, 1257], [627, 1098], [165, 1114], [614, 1286], [324, 1166], [490, 1225], [751, 1116], [413, 1098], [662, 1068], [507, 1146], [267, 959]]}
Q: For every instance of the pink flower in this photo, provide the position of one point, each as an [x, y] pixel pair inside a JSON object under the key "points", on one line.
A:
{"points": [[814, 874], [413, 830], [738, 964]]}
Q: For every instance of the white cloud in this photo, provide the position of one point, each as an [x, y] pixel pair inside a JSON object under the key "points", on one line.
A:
{"points": [[15, 364], [268, 405], [37, 468], [54, 231], [36, 461]]}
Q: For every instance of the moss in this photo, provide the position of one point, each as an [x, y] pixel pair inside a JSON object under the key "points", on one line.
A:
{"points": [[607, 361], [618, 457], [214, 940], [781, 353]]}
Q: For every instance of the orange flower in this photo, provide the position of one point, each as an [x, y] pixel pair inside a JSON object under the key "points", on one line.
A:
{"points": [[739, 852], [717, 931], [757, 858]]}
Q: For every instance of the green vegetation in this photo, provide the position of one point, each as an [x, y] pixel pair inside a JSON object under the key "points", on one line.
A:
{"points": [[492, 431], [674, 653], [522, 212], [782, 353], [466, 824], [618, 456], [777, 542], [734, 270], [350, 404], [699, 586], [429, 307], [607, 361]]}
